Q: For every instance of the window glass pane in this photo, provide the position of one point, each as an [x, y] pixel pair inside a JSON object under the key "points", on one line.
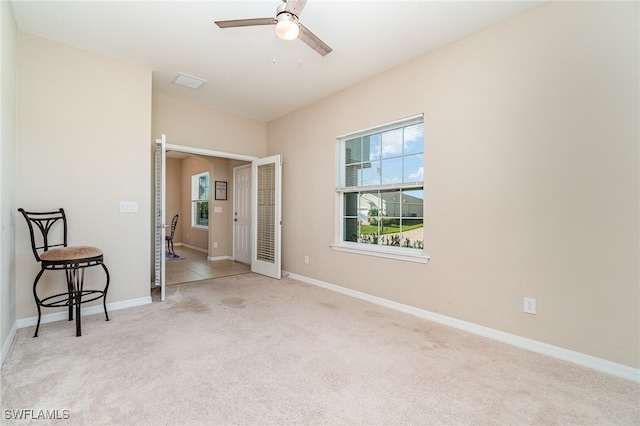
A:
{"points": [[199, 195], [374, 146], [368, 205], [391, 170], [391, 143], [353, 151], [369, 217], [412, 203], [350, 229], [371, 174], [412, 226], [351, 175], [390, 203], [203, 187], [390, 223], [351, 204], [413, 139], [202, 213], [411, 233], [413, 168]]}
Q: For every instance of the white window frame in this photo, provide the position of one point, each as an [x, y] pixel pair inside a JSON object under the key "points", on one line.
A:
{"points": [[392, 252], [195, 200]]}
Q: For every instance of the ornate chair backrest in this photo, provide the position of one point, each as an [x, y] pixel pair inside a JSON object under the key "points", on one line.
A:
{"points": [[174, 223], [40, 226]]}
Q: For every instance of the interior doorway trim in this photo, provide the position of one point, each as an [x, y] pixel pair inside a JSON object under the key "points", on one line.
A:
{"points": [[209, 153]]}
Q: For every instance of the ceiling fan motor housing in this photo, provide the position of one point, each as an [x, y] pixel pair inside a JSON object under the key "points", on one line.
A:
{"points": [[287, 26], [287, 16]]}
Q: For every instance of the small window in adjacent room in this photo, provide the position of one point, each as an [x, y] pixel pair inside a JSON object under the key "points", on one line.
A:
{"points": [[380, 191], [200, 200]]}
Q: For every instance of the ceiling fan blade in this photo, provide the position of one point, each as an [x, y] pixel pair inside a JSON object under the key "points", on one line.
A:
{"points": [[245, 22], [313, 41], [295, 6]]}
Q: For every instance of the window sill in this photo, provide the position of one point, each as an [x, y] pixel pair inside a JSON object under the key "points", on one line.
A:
{"points": [[381, 252]]}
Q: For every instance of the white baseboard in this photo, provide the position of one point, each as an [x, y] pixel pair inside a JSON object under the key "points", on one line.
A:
{"points": [[89, 310], [584, 360], [7, 343], [205, 251], [192, 247], [220, 258]]}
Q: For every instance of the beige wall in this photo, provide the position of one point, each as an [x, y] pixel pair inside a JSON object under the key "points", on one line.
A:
{"points": [[194, 237], [200, 127], [174, 197], [84, 144], [221, 222], [8, 37], [531, 179]]}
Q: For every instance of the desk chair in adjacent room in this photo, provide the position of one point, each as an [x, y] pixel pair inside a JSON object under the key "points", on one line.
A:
{"points": [[53, 253]]}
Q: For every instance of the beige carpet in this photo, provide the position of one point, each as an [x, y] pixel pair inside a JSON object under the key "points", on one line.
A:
{"points": [[251, 350]]}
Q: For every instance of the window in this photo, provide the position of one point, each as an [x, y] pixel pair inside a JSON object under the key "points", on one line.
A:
{"points": [[380, 191], [200, 200]]}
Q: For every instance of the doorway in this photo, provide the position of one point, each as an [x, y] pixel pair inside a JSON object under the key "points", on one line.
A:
{"points": [[203, 243], [266, 222], [202, 252]]}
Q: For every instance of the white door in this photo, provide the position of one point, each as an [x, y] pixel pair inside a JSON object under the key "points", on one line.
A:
{"points": [[160, 232], [266, 216], [242, 214]]}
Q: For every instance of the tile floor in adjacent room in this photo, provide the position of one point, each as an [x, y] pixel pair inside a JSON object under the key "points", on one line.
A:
{"points": [[194, 266]]}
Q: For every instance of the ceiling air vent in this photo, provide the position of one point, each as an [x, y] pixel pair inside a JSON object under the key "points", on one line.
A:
{"points": [[189, 81]]}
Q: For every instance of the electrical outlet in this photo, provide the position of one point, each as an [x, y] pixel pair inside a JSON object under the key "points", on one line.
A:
{"points": [[306, 259], [529, 306], [215, 245]]}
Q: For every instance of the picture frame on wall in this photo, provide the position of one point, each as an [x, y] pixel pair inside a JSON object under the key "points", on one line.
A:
{"points": [[221, 190]]}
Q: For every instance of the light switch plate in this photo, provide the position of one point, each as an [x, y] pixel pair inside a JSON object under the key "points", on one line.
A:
{"points": [[128, 207]]}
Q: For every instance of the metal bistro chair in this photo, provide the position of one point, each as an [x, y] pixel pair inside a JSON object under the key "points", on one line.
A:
{"points": [[59, 256], [169, 238]]}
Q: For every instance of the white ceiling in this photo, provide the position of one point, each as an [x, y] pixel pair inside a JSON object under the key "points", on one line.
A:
{"points": [[250, 72]]}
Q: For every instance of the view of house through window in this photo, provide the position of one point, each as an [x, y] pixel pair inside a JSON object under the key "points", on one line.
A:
{"points": [[200, 200], [381, 185]]}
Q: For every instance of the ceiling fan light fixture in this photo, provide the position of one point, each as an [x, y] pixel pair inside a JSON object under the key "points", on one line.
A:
{"points": [[287, 27]]}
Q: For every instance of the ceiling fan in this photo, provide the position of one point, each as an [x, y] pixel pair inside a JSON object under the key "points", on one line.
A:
{"points": [[288, 26]]}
